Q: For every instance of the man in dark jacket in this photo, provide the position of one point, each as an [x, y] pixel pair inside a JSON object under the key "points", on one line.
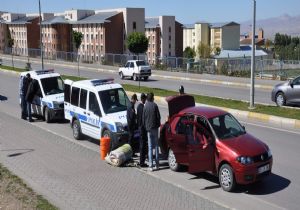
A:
{"points": [[151, 121], [31, 92], [24, 83], [131, 120], [142, 130]]}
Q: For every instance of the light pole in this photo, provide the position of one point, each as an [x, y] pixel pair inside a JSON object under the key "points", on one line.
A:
{"points": [[41, 43], [253, 58]]}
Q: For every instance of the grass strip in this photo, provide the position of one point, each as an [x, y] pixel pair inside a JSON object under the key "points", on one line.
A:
{"points": [[214, 101], [15, 188]]}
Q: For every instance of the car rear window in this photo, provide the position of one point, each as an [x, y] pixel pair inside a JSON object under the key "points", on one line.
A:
{"points": [[141, 63]]}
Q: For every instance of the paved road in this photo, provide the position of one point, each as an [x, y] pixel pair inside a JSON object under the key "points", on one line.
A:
{"points": [[75, 166], [262, 95]]}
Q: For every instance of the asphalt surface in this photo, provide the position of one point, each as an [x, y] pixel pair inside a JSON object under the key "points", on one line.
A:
{"points": [[70, 174], [164, 80]]}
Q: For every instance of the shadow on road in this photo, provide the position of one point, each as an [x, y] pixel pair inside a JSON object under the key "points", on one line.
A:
{"points": [[17, 152], [3, 98], [271, 184]]}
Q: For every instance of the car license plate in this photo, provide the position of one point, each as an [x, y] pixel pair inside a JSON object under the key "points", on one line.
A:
{"points": [[264, 168]]}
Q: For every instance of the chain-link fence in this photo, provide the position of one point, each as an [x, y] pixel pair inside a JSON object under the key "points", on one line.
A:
{"points": [[265, 67]]}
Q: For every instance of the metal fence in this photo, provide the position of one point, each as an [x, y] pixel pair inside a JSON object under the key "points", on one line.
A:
{"points": [[265, 67]]}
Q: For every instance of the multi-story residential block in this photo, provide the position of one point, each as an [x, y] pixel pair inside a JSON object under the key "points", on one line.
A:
{"points": [[56, 36], [3, 33], [196, 33], [105, 31], [226, 36], [23, 30], [165, 37]]}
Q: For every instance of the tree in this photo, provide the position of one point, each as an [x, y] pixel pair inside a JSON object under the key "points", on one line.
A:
{"points": [[189, 52], [77, 40], [137, 43], [204, 50], [217, 51], [268, 43], [10, 44]]}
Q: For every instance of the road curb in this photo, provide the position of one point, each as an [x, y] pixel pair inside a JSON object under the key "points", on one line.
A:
{"points": [[281, 122]]}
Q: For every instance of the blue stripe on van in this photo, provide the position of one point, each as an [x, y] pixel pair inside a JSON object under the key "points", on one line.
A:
{"points": [[80, 116]]}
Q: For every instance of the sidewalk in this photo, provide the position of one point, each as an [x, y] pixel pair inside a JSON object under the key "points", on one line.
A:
{"points": [[172, 75]]}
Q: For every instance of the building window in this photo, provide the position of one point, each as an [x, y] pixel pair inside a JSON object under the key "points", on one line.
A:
{"points": [[170, 38], [169, 46], [134, 26], [169, 53], [169, 29]]}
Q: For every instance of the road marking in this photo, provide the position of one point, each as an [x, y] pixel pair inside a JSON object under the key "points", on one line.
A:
{"points": [[264, 126]]}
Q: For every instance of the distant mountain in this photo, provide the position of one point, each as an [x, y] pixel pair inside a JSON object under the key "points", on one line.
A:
{"points": [[284, 24]]}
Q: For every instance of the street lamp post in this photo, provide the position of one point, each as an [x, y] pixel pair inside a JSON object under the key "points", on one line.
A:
{"points": [[41, 43], [253, 57]]}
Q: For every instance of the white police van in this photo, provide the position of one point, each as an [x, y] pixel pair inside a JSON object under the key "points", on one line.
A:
{"points": [[49, 101], [97, 108]]}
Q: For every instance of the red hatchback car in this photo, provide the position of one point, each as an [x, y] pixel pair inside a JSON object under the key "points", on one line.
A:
{"points": [[210, 139]]}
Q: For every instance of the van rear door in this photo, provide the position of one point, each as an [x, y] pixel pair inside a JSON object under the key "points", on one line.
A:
{"points": [[67, 98]]}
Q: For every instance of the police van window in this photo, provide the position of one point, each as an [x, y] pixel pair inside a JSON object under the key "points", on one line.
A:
{"points": [[127, 64], [67, 93], [114, 100], [75, 96], [52, 85], [83, 97], [93, 104], [131, 65]]}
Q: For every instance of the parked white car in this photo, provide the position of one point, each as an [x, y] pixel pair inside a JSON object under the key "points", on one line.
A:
{"points": [[97, 108], [49, 102], [135, 69]]}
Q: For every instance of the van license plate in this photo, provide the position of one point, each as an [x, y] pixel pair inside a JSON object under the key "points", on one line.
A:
{"points": [[264, 168]]}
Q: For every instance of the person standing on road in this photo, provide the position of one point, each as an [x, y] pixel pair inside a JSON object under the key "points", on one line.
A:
{"points": [[151, 121], [24, 83], [31, 92], [142, 130], [181, 90], [131, 120]]}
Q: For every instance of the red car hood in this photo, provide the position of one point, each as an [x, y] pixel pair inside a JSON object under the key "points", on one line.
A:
{"points": [[245, 145]]}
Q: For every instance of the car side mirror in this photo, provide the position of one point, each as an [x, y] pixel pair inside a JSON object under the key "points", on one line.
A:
{"points": [[244, 128], [291, 84]]}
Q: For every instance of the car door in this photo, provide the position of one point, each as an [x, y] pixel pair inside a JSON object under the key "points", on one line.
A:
{"points": [[293, 95], [178, 140], [126, 69], [37, 100], [201, 151], [67, 99], [82, 106], [131, 69], [93, 116]]}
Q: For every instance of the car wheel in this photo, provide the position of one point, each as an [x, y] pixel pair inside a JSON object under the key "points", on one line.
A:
{"points": [[226, 178], [146, 78], [121, 75], [135, 77], [174, 166], [280, 99], [47, 115], [77, 130]]}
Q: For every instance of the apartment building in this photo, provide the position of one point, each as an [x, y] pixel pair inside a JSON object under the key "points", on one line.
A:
{"points": [[23, 30], [105, 31], [193, 34], [56, 36], [3, 33], [226, 36], [165, 37]]}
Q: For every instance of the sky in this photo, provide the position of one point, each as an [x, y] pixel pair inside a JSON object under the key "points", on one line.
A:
{"points": [[186, 11]]}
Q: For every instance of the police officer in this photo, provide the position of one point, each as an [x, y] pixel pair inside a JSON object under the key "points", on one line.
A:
{"points": [[181, 90]]}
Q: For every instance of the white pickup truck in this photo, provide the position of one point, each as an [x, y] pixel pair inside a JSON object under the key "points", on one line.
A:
{"points": [[135, 69]]}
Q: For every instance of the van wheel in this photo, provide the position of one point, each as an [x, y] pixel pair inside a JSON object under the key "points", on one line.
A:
{"points": [[77, 130], [121, 75], [226, 178], [174, 166], [135, 77], [146, 78], [47, 115]]}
